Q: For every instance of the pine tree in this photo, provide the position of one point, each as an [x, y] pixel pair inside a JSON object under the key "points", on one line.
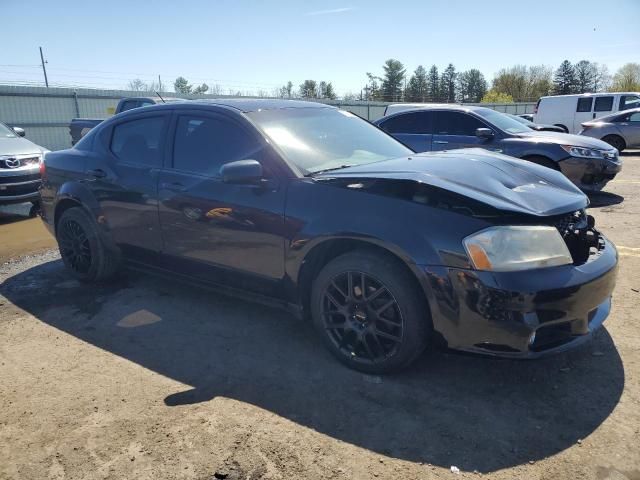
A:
{"points": [[433, 84], [417, 89], [585, 76], [394, 72], [564, 80], [448, 84]]}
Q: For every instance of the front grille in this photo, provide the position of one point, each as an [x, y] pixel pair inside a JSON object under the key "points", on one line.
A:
{"points": [[570, 222], [31, 177], [15, 162]]}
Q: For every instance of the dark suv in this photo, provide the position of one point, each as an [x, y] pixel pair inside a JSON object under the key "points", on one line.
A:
{"points": [[317, 209], [587, 162]]}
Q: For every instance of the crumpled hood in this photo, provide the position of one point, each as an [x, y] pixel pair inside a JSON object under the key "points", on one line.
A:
{"points": [[18, 146], [503, 182], [564, 139]]}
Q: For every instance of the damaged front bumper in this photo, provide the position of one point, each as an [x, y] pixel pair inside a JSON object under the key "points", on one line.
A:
{"points": [[591, 174], [524, 314]]}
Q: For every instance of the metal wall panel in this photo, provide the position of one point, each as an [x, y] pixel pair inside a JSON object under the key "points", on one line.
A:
{"points": [[45, 113]]}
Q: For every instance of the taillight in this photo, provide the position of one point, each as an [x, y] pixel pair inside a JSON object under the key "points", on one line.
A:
{"points": [[43, 168]]}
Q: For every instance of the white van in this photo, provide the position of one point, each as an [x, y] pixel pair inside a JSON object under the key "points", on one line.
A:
{"points": [[569, 111]]}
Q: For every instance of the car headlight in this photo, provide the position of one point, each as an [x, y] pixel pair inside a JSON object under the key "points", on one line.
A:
{"points": [[518, 247], [583, 152]]}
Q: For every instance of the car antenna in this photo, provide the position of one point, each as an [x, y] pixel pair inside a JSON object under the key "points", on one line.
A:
{"points": [[161, 97]]}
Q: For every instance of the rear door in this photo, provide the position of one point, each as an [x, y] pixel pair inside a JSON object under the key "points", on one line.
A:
{"points": [[214, 230], [124, 180], [414, 129], [457, 130]]}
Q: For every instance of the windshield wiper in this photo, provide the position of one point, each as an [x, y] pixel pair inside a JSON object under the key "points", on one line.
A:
{"points": [[317, 172]]}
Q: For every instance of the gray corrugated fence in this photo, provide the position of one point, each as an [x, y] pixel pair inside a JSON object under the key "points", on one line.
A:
{"points": [[45, 113]]}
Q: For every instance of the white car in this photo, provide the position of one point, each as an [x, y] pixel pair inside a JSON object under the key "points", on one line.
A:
{"points": [[569, 111]]}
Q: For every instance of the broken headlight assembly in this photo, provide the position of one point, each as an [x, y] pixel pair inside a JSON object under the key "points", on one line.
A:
{"points": [[518, 247]]}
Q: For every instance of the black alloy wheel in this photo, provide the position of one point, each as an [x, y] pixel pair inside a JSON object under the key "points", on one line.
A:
{"points": [[74, 246], [370, 311], [362, 318]]}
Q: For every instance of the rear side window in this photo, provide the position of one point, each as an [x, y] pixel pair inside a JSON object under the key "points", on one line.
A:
{"points": [[635, 117], [629, 101], [456, 123], [139, 141], [584, 104], [413, 122], [603, 104], [203, 144]]}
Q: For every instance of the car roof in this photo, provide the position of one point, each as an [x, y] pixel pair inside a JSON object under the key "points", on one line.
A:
{"points": [[571, 95], [434, 106], [614, 115], [254, 104]]}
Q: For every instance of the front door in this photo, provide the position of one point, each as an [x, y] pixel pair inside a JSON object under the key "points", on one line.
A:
{"points": [[458, 130], [124, 181], [414, 129], [630, 129], [231, 234]]}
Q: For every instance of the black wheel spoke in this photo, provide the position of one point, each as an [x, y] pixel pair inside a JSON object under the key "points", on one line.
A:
{"points": [[74, 246], [352, 309]]}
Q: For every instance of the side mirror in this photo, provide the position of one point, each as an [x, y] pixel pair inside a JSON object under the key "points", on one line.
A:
{"points": [[243, 172], [19, 131], [485, 133]]}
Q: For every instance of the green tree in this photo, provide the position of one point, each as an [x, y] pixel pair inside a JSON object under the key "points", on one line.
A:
{"points": [[392, 80], [433, 84], [586, 73], [493, 96], [602, 82], [471, 86], [181, 85], [448, 82], [309, 89], [512, 81], [286, 91], [329, 92], [627, 78], [564, 79], [417, 89], [372, 90], [201, 89]]}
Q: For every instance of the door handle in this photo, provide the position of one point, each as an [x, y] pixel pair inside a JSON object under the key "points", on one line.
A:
{"points": [[97, 173], [440, 141], [174, 186]]}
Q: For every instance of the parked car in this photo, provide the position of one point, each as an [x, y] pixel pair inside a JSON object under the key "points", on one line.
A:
{"points": [[570, 111], [587, 162], [79, 127], [621, 130], [535, 126], [19, 167], [316, 208]]}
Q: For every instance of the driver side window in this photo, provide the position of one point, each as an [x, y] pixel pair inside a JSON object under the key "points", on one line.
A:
{"points": [[203, 144]]}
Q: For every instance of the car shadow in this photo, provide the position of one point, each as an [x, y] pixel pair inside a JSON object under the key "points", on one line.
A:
{"points": [[604, 199], [15, 213], [475, 413]]}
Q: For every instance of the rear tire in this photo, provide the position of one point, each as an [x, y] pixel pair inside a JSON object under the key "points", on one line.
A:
{"points": [[616, 141], [81, 248], [543, 161], [370, 312]]}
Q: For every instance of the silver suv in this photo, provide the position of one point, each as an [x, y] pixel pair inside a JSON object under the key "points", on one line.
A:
{"points": [[19, 167]]}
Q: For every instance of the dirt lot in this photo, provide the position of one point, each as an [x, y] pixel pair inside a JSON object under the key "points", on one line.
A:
{"points": [[150, 379]]}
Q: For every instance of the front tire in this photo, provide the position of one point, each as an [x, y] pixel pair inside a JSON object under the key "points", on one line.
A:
{"points": [[81, 248], [370, 312]]}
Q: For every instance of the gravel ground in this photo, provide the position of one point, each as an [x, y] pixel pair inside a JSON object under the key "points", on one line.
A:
{"points": [[150, 379]]}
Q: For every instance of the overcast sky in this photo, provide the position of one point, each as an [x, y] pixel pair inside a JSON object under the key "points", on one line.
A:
{"points": [[250, 45]]}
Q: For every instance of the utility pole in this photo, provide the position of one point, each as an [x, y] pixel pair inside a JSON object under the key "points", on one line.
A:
{"points": [[44, 69]]}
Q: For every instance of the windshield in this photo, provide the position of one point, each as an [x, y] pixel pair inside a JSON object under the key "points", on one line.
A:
{"points": [[502, 121], [6, 132], [318, 139]]}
